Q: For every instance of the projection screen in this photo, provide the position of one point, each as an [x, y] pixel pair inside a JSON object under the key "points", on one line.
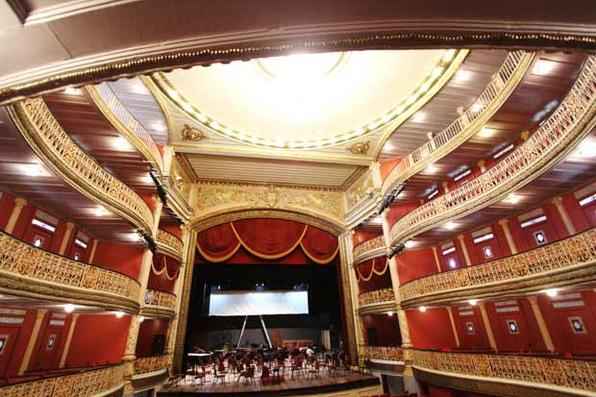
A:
{"points": [[252, 303]]}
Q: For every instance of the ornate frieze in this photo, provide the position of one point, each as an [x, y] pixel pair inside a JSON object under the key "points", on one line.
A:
{"points": [[565, 261], [369, 249], [82, 384], [555, 138], [220, 198], [169, 244], [375, 297], [386, 353], [152, 364], [538, 371], [32, 271], [468, 124], [60, 153]]}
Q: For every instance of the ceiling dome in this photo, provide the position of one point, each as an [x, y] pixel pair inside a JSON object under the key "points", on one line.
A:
{"points": [[306, 100]]}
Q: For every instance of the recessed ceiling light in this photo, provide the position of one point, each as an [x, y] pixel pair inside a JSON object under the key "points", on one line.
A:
{"points": [[119, 314], [33, 170], [551, 292], [73, 91], [513, 198], [544, 67], [487, 132], [69, 308], [585, 150], [463, 75], [389, 147], [390, 314], [419, 117], [450, 225], [141, 319], [473, 302], [431, 169], [410, 244], [120, 143], [422, 309], [100, 211]]}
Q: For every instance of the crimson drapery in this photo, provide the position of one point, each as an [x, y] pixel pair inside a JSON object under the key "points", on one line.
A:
{"points": [[164, 272], [267, 239], [373, 274]]}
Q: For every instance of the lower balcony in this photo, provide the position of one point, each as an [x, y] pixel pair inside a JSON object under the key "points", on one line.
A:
{"points": [[94, 382], [377, 301], [506, 375], [382, 358], [150, 372], [28, 271], [558, 264], [159, 304]]}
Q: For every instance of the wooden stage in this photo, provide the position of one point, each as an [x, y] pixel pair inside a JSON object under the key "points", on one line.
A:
{"points": [[324, 385]]}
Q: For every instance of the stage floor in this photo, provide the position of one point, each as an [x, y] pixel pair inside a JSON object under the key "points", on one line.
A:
{"points": [[340, 381]]}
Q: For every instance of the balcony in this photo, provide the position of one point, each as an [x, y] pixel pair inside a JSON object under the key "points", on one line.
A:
{"points": [[575, 377], [468, 124], [369, 249], [565, 262], [95, 382], [65, 158], [552, 141], [146, 365], [378, 301], [169, 244], [32, 272], [159, 304]]}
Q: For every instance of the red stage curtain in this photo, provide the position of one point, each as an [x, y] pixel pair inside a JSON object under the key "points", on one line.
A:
{"points": [[267, 239], [164, 272], [373, 274]]}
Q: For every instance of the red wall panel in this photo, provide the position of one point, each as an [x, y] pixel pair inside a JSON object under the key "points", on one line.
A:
{"points": [[147, 331], [475, 339], [122, 258], [431, 329], [413, 264], [6, 206]]}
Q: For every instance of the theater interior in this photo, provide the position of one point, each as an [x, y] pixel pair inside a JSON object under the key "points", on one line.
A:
{"points": [[275, 198]]}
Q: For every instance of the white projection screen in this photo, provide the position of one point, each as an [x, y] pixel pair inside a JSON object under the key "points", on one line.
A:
{"points": [[252, 303]]}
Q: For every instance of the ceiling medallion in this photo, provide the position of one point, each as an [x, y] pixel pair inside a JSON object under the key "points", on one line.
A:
{"points": [[428, 86], [192, 134], [360, 148]]}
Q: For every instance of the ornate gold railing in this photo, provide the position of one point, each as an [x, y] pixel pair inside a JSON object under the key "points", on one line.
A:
{"points": [[572, 374], [544, 261], [468, 124], [169, 243], [387, 353], [152, 364], [126, 124], [59, 152], [20, 259], [368, 248], [160, 299], [378, 296], [556, 136], [83, 384]]}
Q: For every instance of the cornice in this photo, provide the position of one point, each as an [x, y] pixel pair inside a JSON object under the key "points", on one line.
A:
{"points": [[346, 36]]}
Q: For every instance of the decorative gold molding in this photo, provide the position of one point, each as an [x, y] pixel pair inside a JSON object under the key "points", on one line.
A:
{"points": [[565, 262], [146, 365], [65, 158], [169, 244], [496, 93], [158, 304], [552, 141], [29, 271], [385, 353], [191, 134], [571, 376], [369, 249], [376, 297], [83, 384], [125, 123]]}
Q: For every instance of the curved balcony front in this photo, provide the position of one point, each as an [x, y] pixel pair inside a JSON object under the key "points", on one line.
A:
{"points": [[369, 249], [169, 244], [159, 304], [512, 374], [468, 124], [561, 263], [552, 141], [65, 158], [26, 270], [378, 301], [152, 364], [95, 382]]}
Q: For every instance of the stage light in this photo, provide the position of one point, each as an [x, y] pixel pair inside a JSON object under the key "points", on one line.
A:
{"points": [[422, 309], [551, 292], [69, 308]]}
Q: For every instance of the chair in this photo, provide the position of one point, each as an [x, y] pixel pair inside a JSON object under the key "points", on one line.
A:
{"points": [[249, 374]]}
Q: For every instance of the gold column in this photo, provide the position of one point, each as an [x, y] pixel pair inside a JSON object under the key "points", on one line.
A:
{"points": [[510, 242], [39, 316], [19, 203], [66, 238], [464, 249], [489, 330], [71, 328], [453, 327], [437, 260], [350, 292], [548, 342], [558, 202]]}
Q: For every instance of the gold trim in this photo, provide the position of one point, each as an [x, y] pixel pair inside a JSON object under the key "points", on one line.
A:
{"points": [[369, 249], [146, 365], [169, 244]]}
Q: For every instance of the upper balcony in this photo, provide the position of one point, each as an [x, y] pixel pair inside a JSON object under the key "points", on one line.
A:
{"points": [[28, 271], [551, 142], [159, 304], [558, 264], [169, 244], [369, 249]]}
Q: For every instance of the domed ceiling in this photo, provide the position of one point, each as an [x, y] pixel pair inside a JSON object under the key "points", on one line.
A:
{"points": [[305, 101]]}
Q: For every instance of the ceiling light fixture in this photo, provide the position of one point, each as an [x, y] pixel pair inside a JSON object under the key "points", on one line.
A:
{"points": [[543, 67], [585, 150], [551, 292], [33, 170], [419, 117], [410, 244], [100, 211], [473, 302], [487, 132], [119, 314], [450, 225], [513, 198], [431, 169], [463, 75], [72, 91], [422, 309], [69, 308], [390, 314]]}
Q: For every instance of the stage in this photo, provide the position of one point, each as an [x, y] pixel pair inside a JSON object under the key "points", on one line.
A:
{"points": [[342, 381]]}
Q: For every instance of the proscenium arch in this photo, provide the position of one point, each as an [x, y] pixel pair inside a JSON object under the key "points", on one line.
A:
{"points": [[202, 223]]}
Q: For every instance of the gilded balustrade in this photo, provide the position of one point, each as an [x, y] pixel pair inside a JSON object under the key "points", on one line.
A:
{"points": [[571, 374], [387, 353], [556, 136], [33, 271], [126, 124], [376, 297], [468, 124], [160, 299], [52, 144], [88, 383], [368, 249], [169, 244], [575, 252], [151, 364]]}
